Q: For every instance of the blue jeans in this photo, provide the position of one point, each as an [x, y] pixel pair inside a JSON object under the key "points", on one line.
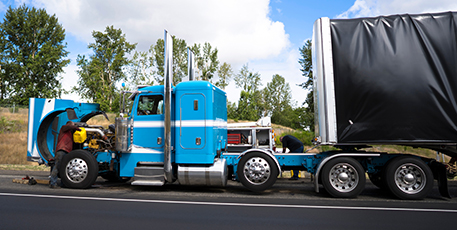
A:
{"points": [[55, 169], [296, 172]]}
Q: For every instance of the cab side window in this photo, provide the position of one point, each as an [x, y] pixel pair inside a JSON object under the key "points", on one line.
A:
{"points": [[150, 105]]}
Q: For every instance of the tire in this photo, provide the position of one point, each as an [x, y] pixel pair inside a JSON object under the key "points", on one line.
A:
{"points": [[257, 171], [408, 178], [79, 169], [343, 177]]}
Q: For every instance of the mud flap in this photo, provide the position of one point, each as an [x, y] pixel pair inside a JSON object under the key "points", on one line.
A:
{"points": [[439, 173]]}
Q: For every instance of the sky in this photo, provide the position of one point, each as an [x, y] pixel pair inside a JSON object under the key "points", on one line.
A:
{"points": [[265, 34]]}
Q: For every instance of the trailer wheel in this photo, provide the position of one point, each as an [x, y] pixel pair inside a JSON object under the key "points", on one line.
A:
{"points": [[257, 172], [79, 169], [343, 177], [408, 178]]}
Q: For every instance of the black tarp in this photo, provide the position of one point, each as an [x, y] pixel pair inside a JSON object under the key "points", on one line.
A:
{"points": [[396, 78]]}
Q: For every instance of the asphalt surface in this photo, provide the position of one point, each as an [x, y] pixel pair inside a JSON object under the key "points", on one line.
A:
{"points": [[287, 205]]}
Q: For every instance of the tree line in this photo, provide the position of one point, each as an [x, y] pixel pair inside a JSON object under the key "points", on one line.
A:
{"points": [[33, 54]]}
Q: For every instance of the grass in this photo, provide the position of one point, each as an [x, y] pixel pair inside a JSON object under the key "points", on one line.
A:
{"points": [[101, 120], [33, 167], [13, 137], [8, 126]]}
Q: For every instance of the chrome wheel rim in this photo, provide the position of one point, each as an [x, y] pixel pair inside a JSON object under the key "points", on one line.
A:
{"points": [[76, 170], [343, 177], [410, 178], [257, 170]]}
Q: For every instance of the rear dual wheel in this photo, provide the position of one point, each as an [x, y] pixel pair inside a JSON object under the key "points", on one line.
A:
{"points": [[408, 178], [343, 177]]}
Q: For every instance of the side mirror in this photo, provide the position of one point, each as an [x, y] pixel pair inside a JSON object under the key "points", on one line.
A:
{"points": [[71, 114]]}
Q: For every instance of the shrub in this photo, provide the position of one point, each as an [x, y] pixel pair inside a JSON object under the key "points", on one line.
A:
{"points": [[7, 126]]}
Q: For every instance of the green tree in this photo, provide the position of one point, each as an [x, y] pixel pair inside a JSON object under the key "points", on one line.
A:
{"points": [[224, 74], [231, 111], [142, 68], [205, 57], [277, 96], [206, 60], [250, 105], [99, 73], [179, 60], [298, 118], [3, 74], [291, 117], [306, 68], [33, 54], [247, 80], [278, 104]]}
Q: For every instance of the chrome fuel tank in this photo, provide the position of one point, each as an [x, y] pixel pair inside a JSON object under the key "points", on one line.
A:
{"points": [[214, 175]]}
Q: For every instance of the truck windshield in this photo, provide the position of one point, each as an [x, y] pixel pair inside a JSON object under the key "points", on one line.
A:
{"points": [[150, 105]]}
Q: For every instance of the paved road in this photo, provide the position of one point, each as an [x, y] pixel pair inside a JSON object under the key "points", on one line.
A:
{"points": [[288, 205]]}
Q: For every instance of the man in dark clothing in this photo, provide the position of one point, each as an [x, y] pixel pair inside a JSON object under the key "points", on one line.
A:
{"points": [[451, 168], [64, 146], [295, 146]]}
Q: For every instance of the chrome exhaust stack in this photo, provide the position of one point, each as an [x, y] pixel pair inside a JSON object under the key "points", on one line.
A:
{"points": [[190, 64], [168, 74]]}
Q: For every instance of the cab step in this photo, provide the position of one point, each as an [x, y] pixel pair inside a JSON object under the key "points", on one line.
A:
{"points": [[149, 176]]}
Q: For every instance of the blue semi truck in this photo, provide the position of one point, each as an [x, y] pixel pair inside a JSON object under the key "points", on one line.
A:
{"points": [[178, 134]]}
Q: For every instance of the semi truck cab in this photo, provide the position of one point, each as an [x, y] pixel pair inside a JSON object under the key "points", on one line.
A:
{"points": [[198, 128]]}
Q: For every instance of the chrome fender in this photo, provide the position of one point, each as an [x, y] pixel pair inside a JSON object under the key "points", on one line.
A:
{"points": [[267, 152]]}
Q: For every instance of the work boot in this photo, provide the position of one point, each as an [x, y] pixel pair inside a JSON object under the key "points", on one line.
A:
{"points": [[451, 171], [54, 186]]}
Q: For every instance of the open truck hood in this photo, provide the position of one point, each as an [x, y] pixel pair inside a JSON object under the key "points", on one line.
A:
{"points": [[46, 117]]}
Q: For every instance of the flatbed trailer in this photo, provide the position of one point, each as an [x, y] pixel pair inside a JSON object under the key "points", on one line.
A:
{"points": [[388, 80]]}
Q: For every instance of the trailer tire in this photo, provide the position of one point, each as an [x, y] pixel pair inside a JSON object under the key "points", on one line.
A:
{"points": [[408, 178], [343, 177], [257, 171], [79, 169]]}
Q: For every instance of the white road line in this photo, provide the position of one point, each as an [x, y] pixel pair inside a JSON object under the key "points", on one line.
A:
{"points": [[232, 204]]}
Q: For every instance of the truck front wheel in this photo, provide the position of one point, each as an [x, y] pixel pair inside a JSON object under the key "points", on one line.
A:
{"points": [[79, 169], [408, 178], [343, 177], [257, 172]]}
